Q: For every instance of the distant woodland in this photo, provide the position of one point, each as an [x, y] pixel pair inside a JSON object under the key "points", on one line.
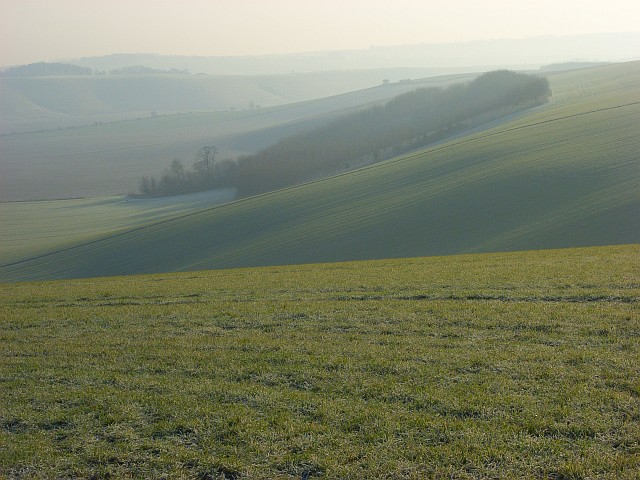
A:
{"points": [[374, 134], [43, 69]]}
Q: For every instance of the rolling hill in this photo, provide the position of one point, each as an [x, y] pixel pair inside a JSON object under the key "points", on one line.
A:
{"points": [[109, 158], [34, 103], [487, 54], [565, 175], [30, 227]]}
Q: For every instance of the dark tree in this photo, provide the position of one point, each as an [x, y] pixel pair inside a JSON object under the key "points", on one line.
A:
{"points": [[207, 156], [145, 186], [177, 168]]}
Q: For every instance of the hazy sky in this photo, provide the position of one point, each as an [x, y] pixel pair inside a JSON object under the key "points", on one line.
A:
{"points": [[41, 30]]}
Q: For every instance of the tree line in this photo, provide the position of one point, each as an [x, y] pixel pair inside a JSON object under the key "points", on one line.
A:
{"points": [[406, 122], [208, 173]]}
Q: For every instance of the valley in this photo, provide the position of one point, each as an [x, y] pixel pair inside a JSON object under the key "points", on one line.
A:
{"points": [[565, 175]]}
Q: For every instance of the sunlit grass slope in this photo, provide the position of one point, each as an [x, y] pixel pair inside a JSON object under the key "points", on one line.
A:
{"points": [[513, 365], [565, 175]]}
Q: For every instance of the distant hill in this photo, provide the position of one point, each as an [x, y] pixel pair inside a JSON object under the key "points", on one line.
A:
{"points": [[109, 158], [479, 55], [142, 70], [43, 69], [409, 121], [566, 175], [556, 67], [30, 103]]}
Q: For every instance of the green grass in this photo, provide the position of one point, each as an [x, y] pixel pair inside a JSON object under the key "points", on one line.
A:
{"points": [[30, 228], [566, 175], [517, 365]]}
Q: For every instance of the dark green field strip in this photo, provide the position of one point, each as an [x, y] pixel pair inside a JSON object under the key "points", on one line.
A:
{"points": [[562, 274]]}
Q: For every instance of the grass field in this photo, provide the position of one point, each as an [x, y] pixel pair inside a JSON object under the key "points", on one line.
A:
{"points": [[29, 228], [564, 176], [516, 365]]}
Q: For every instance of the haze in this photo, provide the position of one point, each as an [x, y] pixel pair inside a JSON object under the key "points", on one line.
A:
{"points": [[45, 30]]}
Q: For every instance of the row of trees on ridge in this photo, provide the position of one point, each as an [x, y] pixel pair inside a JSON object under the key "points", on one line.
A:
{"points": [[373, 134]]}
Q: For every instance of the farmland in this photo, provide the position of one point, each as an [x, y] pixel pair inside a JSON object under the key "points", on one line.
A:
{"points": [[48, 102], [110, 156], [474, 366], [29, 228], [562, 176]]}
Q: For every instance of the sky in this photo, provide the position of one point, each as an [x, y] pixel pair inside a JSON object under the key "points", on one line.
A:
{"points": [[47, 30]]}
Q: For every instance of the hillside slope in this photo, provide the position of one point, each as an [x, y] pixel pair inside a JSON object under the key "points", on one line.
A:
{"points": [[34, 103], [566, 175], [28, 228], [110, 158]]}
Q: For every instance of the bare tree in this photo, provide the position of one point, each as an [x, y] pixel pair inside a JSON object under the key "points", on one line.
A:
{"points": [[145, 186], [207, 156], [148, 186], [177, 168]]}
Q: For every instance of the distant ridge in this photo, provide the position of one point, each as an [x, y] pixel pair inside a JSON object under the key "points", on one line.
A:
{"points": [[43, 69], [556, 67], [474, 55]]}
